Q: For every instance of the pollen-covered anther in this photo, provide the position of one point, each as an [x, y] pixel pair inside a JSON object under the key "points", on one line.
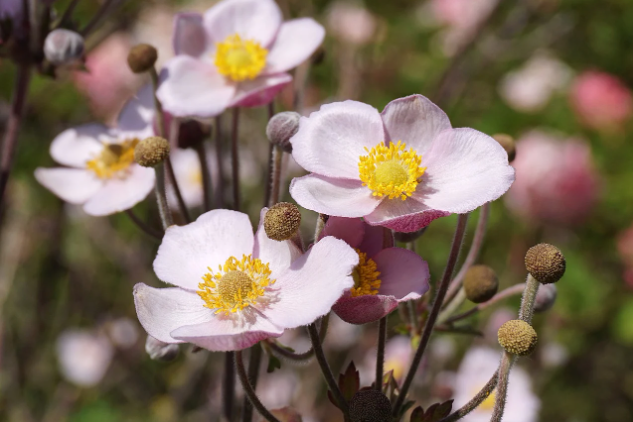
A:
{"points": [[282, 221], [366, 276], [393, 171], [545, 263], [517, 337], [240, 59], [151, 151], [113, 160]]}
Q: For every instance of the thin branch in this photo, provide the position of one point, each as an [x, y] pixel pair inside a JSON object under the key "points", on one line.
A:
{"points": [[206, 176], [235, 159], [254, 362], [479, 398], [174, 184], [94, 22], [250, 391], [228, 383], [161, 198], [380, 355], [502, 386], [510, 291], [219, 157], [143, 226], [67, 13], [527, 301], [283, 352]]}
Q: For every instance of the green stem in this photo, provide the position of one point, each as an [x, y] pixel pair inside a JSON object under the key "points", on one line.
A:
{"points": [[502, 386], [527, 301]]}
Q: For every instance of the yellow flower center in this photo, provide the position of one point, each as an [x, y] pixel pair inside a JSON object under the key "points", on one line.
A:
{"points": [[240, 59], [113, 160], [393, 171], [236, 285], [366, 277]]}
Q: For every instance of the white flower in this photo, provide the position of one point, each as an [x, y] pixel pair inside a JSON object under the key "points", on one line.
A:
{"points": [[83, 356]]}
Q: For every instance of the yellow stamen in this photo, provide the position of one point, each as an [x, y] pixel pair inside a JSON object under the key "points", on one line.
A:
{"points": [[113, 160], [240, 59], [236, 285], [393, 171], [366, 277]]}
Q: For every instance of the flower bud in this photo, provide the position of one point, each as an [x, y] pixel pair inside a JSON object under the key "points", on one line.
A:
{"points": [[507, 142], [517, 337], [545, 298], [142, 58], [191, 133], [409, 237], [369, 406], [480, 283], [545, 263], [63, 46], [151, 151], [157, 350], [282, 221], [281, 127]]}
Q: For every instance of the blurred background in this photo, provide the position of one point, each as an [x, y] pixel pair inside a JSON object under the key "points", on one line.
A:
{"points": [[554, 74]]}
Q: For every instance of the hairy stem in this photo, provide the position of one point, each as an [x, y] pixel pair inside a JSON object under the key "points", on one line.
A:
{"points": [[206, 176], [249, 390], [161, 199], [510, 291], [380, 355], [254, 362], [526, 311], [479, 398], [275, 179], [174, 183], [502, 386], [235, 159]]}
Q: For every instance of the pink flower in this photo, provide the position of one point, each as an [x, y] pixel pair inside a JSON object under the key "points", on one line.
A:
{"points": [[352, 23], [236, 55], [601, 100], [235, 289], [400, 169], [101, 173], [383, 278], [555, 180]]}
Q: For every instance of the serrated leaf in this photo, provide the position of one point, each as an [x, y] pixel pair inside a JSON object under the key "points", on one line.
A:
{"points": [[273, 363], [349, 381]]}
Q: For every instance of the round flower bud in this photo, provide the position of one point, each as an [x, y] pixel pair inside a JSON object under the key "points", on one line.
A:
{"points": [[545, 298], [517, 337], [545, 263], [157, 350], [282, 221], [142, 58], [151, 151], [281, 127], [480, 283], [63, 46], [507, 142], [369, 406], [191, 133], [409, 237]]}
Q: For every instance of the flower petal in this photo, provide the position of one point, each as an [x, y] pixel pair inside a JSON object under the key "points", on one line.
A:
{"points": [[312, 284], [296, 41], [136, 119], [260, 91], [403, 273], [279, 255], [75, 186], [414, 120], [364, 309], [349, 230], [339, 197], [331, 140], [187, 251], [374, 240], [403, 216], [76, 146], [161, 311], [257, 20], [189, 38], [194, 88], [122, 194], [465, 169]]}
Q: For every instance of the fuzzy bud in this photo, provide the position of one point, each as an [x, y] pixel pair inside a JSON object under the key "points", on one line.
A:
{"points": [[507, 142], [409, 237], [157, 350], [151, 151], [63, 46], [142, 58], [282, 221], [517, 337], [281, 127], [545, 298], [545, 263], [480, 283], [369, 406]]}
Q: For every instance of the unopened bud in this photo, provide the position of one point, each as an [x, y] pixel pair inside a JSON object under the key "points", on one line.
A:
{"points": [[545, 298], [281, 127], [282, 221], [507, 142], [409, 237], [142, 58], [369, 406], [151, 151], [63, 46], [157, 350], [480, 283], [545, 263], [191, 133], [517, 337]]}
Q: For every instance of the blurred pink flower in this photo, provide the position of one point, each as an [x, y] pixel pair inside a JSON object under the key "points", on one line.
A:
{"points": [[601, 100], [555, 180], [83, 356], [351, 23]]}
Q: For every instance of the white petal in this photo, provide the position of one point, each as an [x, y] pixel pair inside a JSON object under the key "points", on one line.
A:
{"points": [[75, 186], [76, 146], [296, 41], [260, 91], [277, 254], [136, 119], [189, 37], [403, 216]]}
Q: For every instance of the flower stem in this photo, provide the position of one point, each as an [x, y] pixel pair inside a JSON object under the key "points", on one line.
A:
{"points": [[479, 398], [235, 159], [96, 18], [161, 199], [510, 291], [67, 13], [254, 362], [228, 384], [174, 183], [411, 304], [207, 188], [219, 194], [502, 386], [249, 390], [271, 152], [526, 311], [458, 238], [300, 357], [380, 355], [275, 176], [143, 226]]}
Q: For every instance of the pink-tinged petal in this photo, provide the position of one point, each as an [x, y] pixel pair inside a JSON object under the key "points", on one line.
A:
{"points": [[403, 216], [161, 311], [75, 186], [339, 197], [312, 284], [233, 332], [279, 255], [331, 140], [194, 88], [76, 146], [187, 251], [190, 37], [404, 275], [364, 309], [465, 169], [118, 195], [296, 41], [414, 120], [257, 20], [374, 240], [349, 230], [136, 119], [260, 91]]}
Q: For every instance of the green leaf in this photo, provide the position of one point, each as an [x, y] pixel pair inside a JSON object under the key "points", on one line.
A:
{"points": [[273, 363]]}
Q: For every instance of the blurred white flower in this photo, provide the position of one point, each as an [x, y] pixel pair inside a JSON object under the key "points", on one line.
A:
{"points": [[341, 335], [83, 356], [351, 22], [398, 355], [189, 176], [123, 332], [554, 354], [277, 389]]}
